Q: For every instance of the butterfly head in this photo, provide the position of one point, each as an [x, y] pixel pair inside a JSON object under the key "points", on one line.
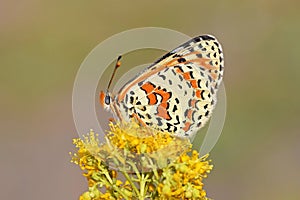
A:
{"points": [[105, 100]]}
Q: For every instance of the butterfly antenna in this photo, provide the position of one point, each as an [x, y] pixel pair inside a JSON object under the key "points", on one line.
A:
{"points": [[118, 64]]}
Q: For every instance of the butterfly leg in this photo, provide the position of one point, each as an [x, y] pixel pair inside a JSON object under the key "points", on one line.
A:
{"points": [[135, 116]]}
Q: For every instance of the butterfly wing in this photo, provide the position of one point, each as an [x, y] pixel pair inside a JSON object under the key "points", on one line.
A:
{"points": [[177, 92]]}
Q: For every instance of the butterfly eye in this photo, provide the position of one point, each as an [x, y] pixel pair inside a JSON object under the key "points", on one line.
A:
{"points": [[107, 99]]}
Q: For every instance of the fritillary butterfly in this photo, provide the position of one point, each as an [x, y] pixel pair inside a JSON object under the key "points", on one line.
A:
{"points": [[177, 93]]}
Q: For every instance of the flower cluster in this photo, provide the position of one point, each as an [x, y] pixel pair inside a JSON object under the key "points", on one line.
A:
{"points": [[136, 162]]}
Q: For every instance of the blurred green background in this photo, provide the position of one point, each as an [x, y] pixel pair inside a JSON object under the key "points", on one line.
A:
{"points": [[42, 44]]}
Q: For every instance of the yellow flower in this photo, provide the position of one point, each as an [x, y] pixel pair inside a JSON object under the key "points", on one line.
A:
{"points": [[138, 139], [155, 164], [187, 172]]}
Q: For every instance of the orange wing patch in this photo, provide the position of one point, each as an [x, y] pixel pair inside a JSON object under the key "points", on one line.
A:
{"points": [[148, 88], [152, 92], [162, 108], [187, 126]]}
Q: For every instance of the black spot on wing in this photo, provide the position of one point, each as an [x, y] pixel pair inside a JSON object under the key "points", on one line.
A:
{"points": [[202, 94], [175, 128], [190, 102], [212, 90], [141, 116], [191, 75], [193, 115], [162, 76], [199, 55], [199, 83], [219, 50], [188, 84], [197, 39], [166, 69], [173, 71], [163, 57], [207, 37], [148, 123], [190, 49], [174, 108], [180, 77], [168, 105], [159, 123], [180, 60], [176, 55], [169, 126], [131, 100], [140, 83], [189, 67], [186, 113], [143, 108], [207, 113], [177, 120], [196, 105], [179, 67], [148, 116], [205, 107]]}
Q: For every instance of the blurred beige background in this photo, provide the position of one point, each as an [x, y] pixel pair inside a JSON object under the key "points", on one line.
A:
{"points": [[42, 44]]}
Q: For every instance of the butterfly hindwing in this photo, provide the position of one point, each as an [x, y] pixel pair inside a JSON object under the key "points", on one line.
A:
{"points": [[177, 92]]}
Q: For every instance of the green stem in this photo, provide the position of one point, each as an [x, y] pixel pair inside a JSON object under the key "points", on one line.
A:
{"points": [[108, 177], [154, 168], [112, 184], [130, 181], [109, 182], [120, 192], [143, 182], [135, 169]]}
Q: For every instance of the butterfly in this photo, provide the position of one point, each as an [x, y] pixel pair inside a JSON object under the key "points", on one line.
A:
{"points": [[177, 93]]}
